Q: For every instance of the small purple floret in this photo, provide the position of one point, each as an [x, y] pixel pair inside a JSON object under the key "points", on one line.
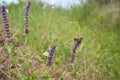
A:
{"points": [[26, 30]]}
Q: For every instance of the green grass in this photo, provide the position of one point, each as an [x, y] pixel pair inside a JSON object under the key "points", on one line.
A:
{"points": [[97, 58]]}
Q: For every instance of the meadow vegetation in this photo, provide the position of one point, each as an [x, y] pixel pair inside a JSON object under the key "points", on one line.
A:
{"points": [[97, 58]]}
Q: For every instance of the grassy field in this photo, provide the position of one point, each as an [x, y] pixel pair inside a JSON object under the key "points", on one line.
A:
{"points": [[97, 58]]}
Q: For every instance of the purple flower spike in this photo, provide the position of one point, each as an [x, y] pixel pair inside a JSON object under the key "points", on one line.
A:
{"points": [[51, 55], [27, 17], [77, 44], [6, 24]]}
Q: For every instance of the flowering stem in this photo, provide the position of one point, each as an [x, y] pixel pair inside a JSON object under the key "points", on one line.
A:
{"points": [[51, 56], [6, 24], [27, 17], [77, 44]]}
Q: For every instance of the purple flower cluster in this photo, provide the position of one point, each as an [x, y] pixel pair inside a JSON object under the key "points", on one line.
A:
{"points": [[27, 17], [77, 44], [6, 24], [51, 56]]}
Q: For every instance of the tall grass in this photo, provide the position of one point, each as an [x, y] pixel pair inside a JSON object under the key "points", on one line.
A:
{"points": [[100, 28]]}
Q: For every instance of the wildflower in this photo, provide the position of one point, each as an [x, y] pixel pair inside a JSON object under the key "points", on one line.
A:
{"points": [[77, 44], [6, 24], [51, 56], [27, 17]]}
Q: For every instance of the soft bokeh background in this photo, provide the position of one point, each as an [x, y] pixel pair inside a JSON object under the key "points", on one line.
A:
{"points": [[61, 3]]}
